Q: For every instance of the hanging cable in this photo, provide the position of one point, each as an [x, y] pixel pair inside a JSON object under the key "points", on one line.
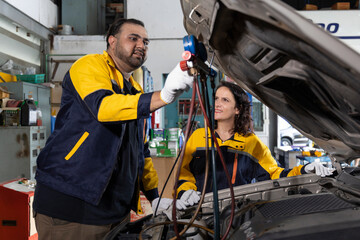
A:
{"points": [[182, 155], [197, 91], [197, 67], [173, 166], [213, 161], [207, 164], [226, 173]]}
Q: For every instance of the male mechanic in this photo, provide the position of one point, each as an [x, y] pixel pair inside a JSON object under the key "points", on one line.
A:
{"points": [[96, 161]]}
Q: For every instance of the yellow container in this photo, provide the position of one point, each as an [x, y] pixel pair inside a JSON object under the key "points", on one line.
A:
{"points": [[7, 77]]}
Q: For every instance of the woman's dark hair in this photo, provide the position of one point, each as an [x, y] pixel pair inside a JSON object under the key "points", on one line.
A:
{"points": [[115, 27], [243, 121]]}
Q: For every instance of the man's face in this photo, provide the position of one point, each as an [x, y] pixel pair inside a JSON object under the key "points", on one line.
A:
{"points": [[130, 46]]}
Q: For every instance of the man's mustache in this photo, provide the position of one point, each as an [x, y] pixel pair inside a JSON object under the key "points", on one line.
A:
{"points": [[139, 50]]}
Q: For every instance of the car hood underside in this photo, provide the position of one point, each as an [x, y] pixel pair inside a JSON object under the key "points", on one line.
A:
{"points": [[294, 67]]}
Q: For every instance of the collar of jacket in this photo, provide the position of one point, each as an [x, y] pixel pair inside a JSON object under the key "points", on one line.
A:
{"points": [[237, 141], [111, 63]]}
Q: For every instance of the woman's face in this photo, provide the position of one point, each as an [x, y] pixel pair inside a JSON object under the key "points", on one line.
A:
{"points": [[225, 103]]}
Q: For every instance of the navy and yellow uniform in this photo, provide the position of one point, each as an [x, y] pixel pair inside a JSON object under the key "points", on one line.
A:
{"points": [[97, 160], [246, 158]]}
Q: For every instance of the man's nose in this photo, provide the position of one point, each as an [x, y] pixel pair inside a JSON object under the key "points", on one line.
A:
{"points": [[140, 44]]}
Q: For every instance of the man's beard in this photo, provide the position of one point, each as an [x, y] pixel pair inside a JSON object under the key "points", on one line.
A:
{"points": [[132, 61], [135, 61]]}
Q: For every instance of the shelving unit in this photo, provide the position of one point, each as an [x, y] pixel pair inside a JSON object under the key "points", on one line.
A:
{"points": [[114, 9]]}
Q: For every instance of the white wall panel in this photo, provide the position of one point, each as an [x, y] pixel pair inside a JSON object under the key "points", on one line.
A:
{"points": [[72, 47], [163, 55], [43, 11], [342, 24], [19, 50], [162, 18], [12, 28]]}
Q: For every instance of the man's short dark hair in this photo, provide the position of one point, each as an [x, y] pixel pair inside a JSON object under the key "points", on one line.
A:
{"points": [[116, 27]]}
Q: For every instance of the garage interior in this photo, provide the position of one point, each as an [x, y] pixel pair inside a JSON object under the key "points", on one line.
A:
{"points": [[41, 39]]}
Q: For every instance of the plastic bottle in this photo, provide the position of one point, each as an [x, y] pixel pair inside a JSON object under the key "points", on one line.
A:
{"points": [[38, 117]]}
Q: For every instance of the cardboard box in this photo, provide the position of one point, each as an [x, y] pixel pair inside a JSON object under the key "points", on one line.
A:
{"points": [[341, 6], [16, 218], [145, 206], [10, 117], [56, 93], [4, 93], [55, 108], [167, 148], [165, 152], [118, 7], [163, 166], [173, 134], [158, 134], [310, 7]]}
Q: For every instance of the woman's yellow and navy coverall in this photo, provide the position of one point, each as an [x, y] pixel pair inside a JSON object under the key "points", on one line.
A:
{"points": [[246, 158], [97, 159]]}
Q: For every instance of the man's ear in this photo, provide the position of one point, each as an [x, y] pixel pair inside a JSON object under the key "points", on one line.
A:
{"points": [[112, 41]]}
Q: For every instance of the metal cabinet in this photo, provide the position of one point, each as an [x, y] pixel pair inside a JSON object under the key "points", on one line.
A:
{"points": [[41, 94], [19, 149]]}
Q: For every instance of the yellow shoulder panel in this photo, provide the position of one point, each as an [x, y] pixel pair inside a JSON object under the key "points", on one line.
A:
{"points": [[89, 74]]}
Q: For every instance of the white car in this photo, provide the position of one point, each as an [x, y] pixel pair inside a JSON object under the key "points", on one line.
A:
{"points": [[292, 137]]}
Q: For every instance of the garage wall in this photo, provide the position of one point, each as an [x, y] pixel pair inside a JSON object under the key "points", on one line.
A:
{"points": [[42, 11], [68, 48], [24, 33], [164, 22], [341, 24], [17, 44]]}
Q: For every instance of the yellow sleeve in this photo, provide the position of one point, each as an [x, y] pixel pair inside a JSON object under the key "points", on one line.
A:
{"points": [[93, 80], [150, 177], [186, 179], [295, 171], [262, 153]]}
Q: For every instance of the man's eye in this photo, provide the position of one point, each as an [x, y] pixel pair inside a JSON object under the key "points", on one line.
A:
{"points": [[133, 39], [146, 43]]}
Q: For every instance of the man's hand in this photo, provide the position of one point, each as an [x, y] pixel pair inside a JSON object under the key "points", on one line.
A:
{"points": [[176, 83], [318, 169], [189, 198]]}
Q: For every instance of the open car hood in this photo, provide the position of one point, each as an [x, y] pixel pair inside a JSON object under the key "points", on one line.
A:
{"points": [[293, 66]]}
